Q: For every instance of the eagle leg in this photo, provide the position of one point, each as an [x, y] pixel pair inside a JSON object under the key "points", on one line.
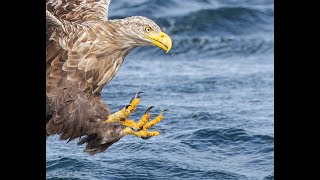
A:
{"points": [[153, 122], [143, 120]]}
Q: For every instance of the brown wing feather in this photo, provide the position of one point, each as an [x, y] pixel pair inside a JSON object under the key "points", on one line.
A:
{"points": [[73, 115], [64, 64], [79, 11]]}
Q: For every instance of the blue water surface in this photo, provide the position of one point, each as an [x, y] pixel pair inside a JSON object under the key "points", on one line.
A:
{"points": [[218, 84]]}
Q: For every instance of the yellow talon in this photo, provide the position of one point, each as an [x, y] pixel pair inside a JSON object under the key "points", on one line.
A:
{"points": [[118, 116], [153, 122], [153, 133], [135, 103], [129, 123], [144, 119], [142, 133], [124, 113]]}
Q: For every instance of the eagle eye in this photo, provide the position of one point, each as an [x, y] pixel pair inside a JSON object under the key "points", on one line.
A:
{"points": [[147, 29]]}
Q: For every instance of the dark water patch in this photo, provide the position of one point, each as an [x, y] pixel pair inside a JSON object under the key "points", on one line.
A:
{"points": [[206, 116], [219, 47], [266, 150], [269, 177], [217, 84], [139, 169], [207, 175], [146, 8], [61, 163], [236, 82], [159, 8], [71, 168], [61, 178], [233, 138], [217, 22]]}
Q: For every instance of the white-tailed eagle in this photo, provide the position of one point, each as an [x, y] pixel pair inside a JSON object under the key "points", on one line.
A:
{"points": [[84, 51]]}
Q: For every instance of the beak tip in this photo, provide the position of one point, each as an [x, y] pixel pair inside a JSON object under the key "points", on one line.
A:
{"points": [[168, 50]]}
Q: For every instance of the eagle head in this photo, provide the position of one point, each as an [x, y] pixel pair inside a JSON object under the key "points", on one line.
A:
{"points": [[141, 31]]}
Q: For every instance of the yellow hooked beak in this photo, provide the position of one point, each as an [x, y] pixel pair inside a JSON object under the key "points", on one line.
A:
{"points": [[162, 40]]}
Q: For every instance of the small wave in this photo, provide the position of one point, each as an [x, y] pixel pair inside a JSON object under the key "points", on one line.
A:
{"points": [[205, 116], [71, 168], [240, 81], [221, 21], [221, 32], [198, 174], [234, 138], [270, 177], [140, 8], [217, 83], [160, 8], [63, 163], [220, 46]]}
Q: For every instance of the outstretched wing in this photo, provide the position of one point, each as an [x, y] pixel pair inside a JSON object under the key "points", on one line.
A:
{"points": [[69, 111], [70, 55], [79, 11], [70, 114], [70, 69]]}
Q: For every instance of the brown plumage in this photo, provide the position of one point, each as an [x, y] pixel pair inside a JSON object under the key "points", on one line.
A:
{"points": [[84, 51]]}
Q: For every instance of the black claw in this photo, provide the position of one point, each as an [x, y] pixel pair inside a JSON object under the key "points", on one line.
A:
{"points": [[164, 110], [127, 106], [135, 129], [145, 137], [137, 95], [148, 110], [131, 100]]}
